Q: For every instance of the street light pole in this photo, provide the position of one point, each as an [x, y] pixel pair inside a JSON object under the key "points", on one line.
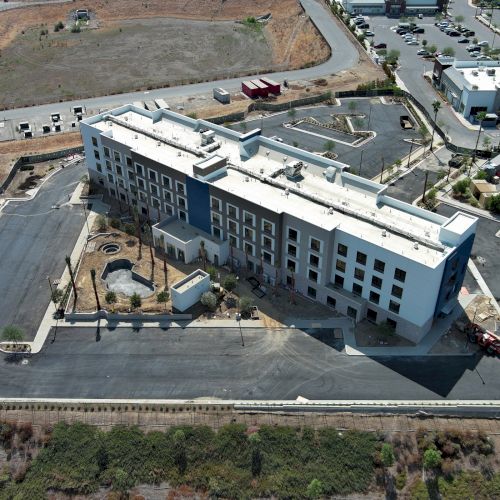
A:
{"points": [[409, 155], [86, 219]]}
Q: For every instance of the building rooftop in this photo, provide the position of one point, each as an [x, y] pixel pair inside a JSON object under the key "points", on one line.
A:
{"points": [[474, 75], [324, 194]]}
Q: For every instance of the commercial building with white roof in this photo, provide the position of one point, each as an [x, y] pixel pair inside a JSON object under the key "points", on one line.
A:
{"points": [[293, 218]]}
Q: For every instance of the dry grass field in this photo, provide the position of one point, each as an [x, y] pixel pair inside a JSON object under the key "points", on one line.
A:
{"points": [[146, 44]]}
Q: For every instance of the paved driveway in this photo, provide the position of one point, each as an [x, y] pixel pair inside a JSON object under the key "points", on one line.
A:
{"points": [[34, 239], [195, 362]]}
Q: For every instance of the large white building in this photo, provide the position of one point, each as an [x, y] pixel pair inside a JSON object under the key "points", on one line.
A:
{"points": [[290, 216], [392, 8], [469, 86]]}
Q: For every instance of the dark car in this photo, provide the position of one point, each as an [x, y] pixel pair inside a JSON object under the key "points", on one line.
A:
{"points": [[363, 26], [456, 161], [418, 30], [470, 33], [401, 31], [380, 46], [463, 40], [454, 33]]}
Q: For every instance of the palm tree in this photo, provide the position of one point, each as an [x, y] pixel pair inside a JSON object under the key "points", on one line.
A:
{"points": [[162, 298], [71, 275], [480, 117], [203, 255], [436, 106], [137, 223], [92, 277]]}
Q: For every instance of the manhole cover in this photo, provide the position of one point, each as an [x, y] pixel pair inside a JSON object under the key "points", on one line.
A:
{"points": [[24, 362]]}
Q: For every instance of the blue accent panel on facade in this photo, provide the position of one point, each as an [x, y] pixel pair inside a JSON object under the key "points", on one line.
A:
{"points": [[198, 198], [454, 273]]}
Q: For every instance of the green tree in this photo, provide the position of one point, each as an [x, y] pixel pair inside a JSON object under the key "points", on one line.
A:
{"points": [[432, 458], [255, 444], [102, 223], [352, 106], [135, 301], [436, 106], [121, 480], [449, 51], [94, 286], [209, 300], [180, 455], [245, 305], [329, 146], [424, 43], [387, 455], [493, 203], [461, 187], [314, 489], [212, 271], [57, 296], [12, 334], [292, 112], [392, 56], [162, 298], [432, 49], [110, 298], [230, 282], [459, 19]]}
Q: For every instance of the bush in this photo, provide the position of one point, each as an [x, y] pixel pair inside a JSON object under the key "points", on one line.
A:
{"points": [[230, 282], [315, 489], [58, 26], [25, 168], [135, 301], [387, 455], [432, 458], [212, 271], [493, 204], [110, 297], [130, 229], [25, 432], [115, 223], [401, 480], [75, 28], [102, 223], [245, 305], [461, 187], [209, 300], [448, 467]]}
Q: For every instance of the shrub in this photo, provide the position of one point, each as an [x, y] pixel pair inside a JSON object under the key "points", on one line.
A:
{"points": [[135, 301], [230, 282], [110, 297], [102, 223], [25, 432], [245, 305], [387, 455], [314, 489], [130, 229], [481, 175], [401, 480], [212, 271], [75, 28], [58, 26], [115, 223], [448, 467], [432, 458], [460, 187], [25, 168], [209, 300]]}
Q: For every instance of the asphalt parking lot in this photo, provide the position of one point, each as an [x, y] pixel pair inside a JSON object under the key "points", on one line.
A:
{"points": [[389, 143], [197, 362], [34, 240], [486, 245]]}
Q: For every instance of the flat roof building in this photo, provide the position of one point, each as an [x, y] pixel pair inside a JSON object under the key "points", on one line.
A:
{"points": [[330, 235]]}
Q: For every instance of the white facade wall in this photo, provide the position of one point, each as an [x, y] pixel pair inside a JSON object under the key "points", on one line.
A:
{"points": [[184, 299], [473, 98]]}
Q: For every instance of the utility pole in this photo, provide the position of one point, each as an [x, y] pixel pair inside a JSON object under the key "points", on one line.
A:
{"points": [[409, 155], [425, 185], [361, 162], [382, 172]]}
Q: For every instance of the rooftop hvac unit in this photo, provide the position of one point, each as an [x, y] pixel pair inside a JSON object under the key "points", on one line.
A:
{"points": [[490, 71], [293, 169], [475, 73], [415, 246], [330, 210], [329, 173], [207, 137], [384, 233]]}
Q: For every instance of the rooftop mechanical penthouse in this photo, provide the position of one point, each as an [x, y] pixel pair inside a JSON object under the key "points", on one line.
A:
{"points": [[290, 216]]}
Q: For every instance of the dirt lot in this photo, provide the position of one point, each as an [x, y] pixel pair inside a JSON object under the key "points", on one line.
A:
{"points": [[29, 179], [10, 151], [140, 45]]}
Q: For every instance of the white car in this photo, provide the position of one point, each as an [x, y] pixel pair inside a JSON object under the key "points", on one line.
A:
{"points": [[369, 33], [484, 43], [412, 42], [422, 52], [484, 58], [474, 54]]}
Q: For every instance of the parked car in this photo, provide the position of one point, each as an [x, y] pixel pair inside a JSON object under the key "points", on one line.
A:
{"points": [[369, 33], [420, 16], [418, 30], [483, 57], [470, 33], [473, 48], [454, 33], [456, 161], [483, 43], [358, 21], [363, 26], [463, 40], [401, 31], [423, 52], [380, 46], [474, 54], [412, 42]]}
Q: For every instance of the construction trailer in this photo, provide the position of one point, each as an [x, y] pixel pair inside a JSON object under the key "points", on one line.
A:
{"points": [[162, 104], [150, 106], [250, 89], [263, 88], [274, 87], [222, 96]]}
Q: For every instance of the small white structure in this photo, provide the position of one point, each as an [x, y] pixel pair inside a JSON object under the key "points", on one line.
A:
{"points": [[222, 96], [189, 290]]}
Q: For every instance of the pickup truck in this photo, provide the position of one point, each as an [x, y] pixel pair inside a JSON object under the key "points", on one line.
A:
{"points": [[405, 122]]}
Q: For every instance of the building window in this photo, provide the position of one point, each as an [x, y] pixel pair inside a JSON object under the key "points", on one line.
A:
{"points": [[154, 189], [128, 161], [313, 260], [248, 233], [340, 265], [169, 210], [117, 156], [233, 226], [94, 141], [96, 154], [315, 245], [359, 274], [313, 275], [342, 250], [397, 291], [143, 197], [376, 282], [216, 219], [352, 312], [182, 215], [215, 203], [233, 241], [249, 218], [267, 227], [374, 297], [141, 184], [330, 301], [292, 250], [110, 178], [153, 176], [181, 202], [109, 166], [98, 167], [371, 315], [292, 234], [393, 324], [180, 187], [248, 248], [357, 289], [119, 170], [139, 169], [267, 242], [155, 202], [379, 266], [107, 152], [217, 232], [399, 275], [166, 181], [361, 258], [130, 175], [233, 211], [267, 257], [339, 280], [291, 265], [311, 292], [167, 195], [393, 307]]}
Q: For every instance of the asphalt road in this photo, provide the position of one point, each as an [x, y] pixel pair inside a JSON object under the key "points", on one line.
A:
{"points": [[412, 66], [344, 56], [195, 362], [34, 240]]}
